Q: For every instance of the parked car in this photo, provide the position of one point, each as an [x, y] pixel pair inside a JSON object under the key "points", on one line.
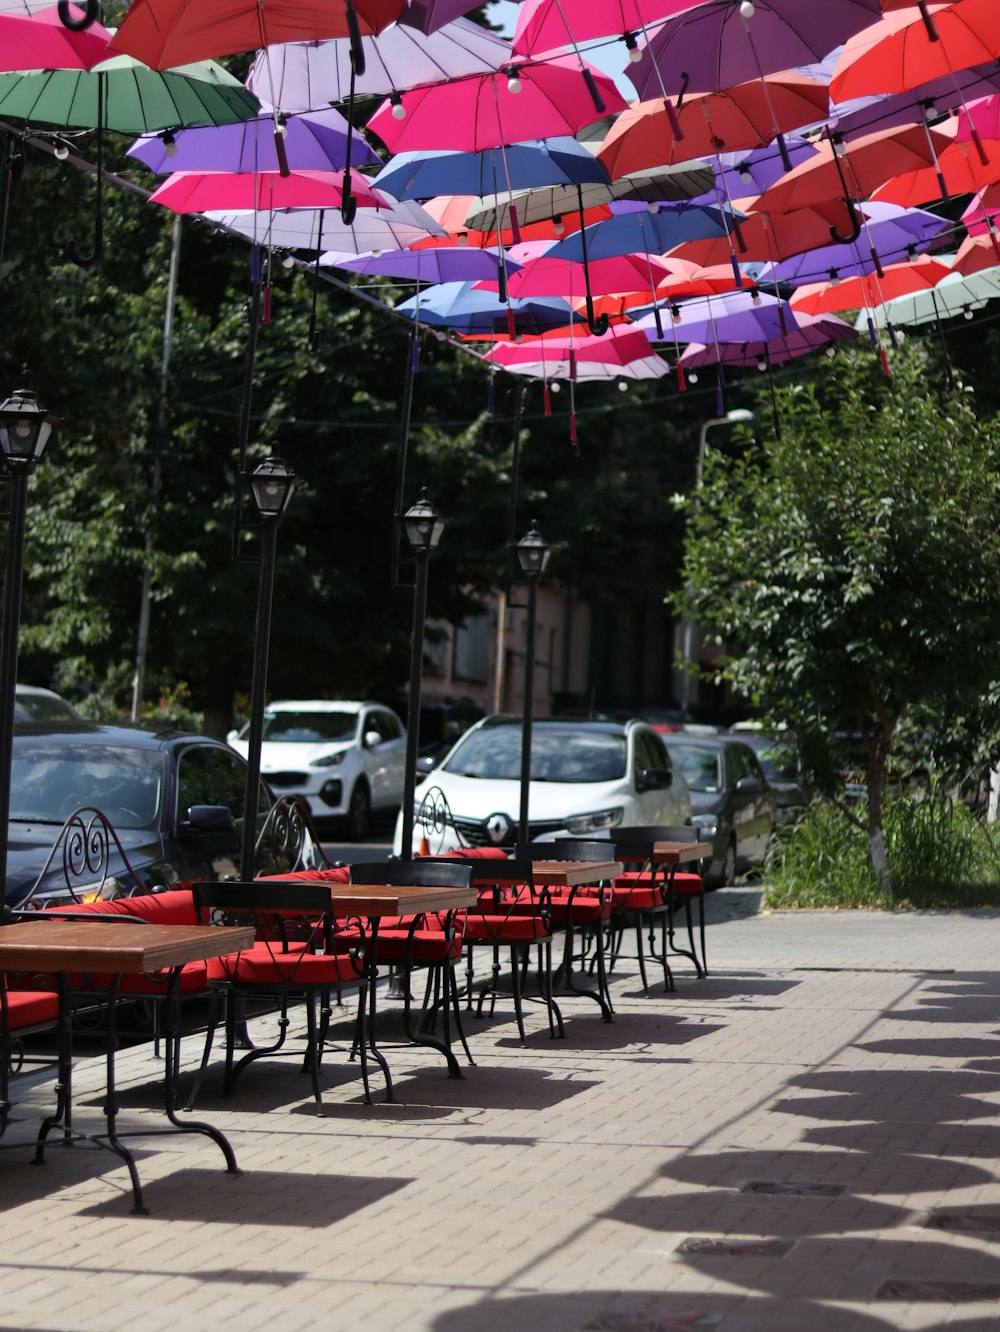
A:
{"points": [[346, 759], [32, 703], [586, 777], [442, 722], [733, 805], [783, 769], [174, 800]]}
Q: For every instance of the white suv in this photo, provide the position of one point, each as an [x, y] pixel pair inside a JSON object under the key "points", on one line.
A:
{"points": [[586, 778], [347, 759]]}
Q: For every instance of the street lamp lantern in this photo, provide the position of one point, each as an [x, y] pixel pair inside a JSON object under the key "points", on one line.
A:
{"points": [[424, 526], [533, 552], [25, 427], [272, 484]]}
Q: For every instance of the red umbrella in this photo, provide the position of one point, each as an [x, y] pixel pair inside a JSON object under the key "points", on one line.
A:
{"points": [[959, 170], [767, 237], [164, 33], [525, 101], [898, 53], [745, 116], [868, 290], [43, 42], [201, 191]]}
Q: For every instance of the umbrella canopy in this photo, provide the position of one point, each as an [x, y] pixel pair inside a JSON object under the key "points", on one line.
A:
{"points": [[323, 228], [867, 290], [743, 117], [730, 317], [462, 308], [764, 236], [452, 264], [982, 210], [43, 42], [541, 275], [959, 169], [713, 45], [810, 332], [954, 295], [485, 112], [642, 233], [898, 53], [432, 15], [555, 161], [546, 25], [622, 353], [135, 99], [892, 234], [746, 174], [305, 75], [977, 253], [202, 191], [164, 33], [927, 100], [313, 141]]}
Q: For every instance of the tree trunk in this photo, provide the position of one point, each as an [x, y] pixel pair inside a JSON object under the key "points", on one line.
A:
{"points": [[878, 757]]}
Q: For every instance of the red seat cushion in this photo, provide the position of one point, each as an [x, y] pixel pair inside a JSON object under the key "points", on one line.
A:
{"points": [[331, 874], [519, 927], [265, 966], [30, 1008], [174, 907], [427, 947]]}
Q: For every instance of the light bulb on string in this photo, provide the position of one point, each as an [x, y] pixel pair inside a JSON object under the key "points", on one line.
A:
{"points": [[288, 261], [632, 46], [761, 363], [398, 109], [831, 351], [966, 312], [747, 10], [692, 376], [558, 226], [169, 143], [513, 82], [555, 386], [462, 238], [61, 151], [622, 386]]}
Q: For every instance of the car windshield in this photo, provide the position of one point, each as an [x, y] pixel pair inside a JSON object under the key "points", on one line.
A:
{"points": [[310, 728], [699, 765], [49, 781], [556, 755]]}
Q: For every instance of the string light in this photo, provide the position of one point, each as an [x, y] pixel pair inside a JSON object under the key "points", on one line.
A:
{"points": [[398, 109], [966, 312], [555, 386], [513, 82], [281, 124], [288, 261], [692, 376], [169, 143], [622, 386], [462, 237], [632, 46], [761, 363], [558, 226], [62, 151], [746, 10]]}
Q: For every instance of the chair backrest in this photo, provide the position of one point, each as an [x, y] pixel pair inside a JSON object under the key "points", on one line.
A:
{"points": [[656, 832], [422, 873], [280, 896], [574, 848]]}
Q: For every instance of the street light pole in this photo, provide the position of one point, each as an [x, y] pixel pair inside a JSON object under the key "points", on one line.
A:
{"points": [[688, 629], [533, 555], [25, 429], [423, 526], [272, 485]]}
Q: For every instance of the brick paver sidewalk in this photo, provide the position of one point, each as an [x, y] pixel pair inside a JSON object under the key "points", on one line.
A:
{"points": [[806, 1140]]}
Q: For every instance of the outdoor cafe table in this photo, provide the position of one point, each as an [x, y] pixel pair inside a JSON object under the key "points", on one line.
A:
{"points": [[112, 948]]}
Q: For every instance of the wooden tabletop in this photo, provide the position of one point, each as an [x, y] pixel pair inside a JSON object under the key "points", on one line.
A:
{"points": [[374, 899], [116, 948], [666, 853]]}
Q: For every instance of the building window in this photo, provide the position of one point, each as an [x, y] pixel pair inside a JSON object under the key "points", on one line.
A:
{"points": [[471, 656]]}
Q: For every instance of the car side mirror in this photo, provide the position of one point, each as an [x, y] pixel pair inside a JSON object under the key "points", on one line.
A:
{"points": [[209, 818], [426, 764], [372, 740], [747, 785], [231, 736], [655, 779]]}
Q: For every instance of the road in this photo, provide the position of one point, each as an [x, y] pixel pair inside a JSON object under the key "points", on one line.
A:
{"points": [[349, 852]]}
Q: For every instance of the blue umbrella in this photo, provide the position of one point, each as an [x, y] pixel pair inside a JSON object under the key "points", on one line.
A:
{"points": [[463, 309], [642, 232], [518, 166]]}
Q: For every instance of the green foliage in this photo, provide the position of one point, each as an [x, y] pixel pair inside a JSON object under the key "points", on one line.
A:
{"points": [[940, 854], [853, 559]]}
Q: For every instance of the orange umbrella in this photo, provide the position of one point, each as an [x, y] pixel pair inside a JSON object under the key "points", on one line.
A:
{"points": [[868, 290], [853, 172], [898, 53], [746, 116], [959, 170], [689, 279], [766, 237], [977, 253]]}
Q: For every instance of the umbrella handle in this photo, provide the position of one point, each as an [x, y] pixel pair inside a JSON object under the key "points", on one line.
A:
{"points": [[595, 96], [91, 13], [597, 325], [932, 32], [357, 49], [72, 252], [855, 231]]}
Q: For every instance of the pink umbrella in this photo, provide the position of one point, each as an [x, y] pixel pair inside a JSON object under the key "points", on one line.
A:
{"points": [[540, 276], [524, 101], [624, 353], [981, 214], [43, 42], [202, 191], [546, 25]]}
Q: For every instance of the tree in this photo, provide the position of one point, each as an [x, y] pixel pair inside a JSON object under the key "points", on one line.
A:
{"points": [[853, 560]]}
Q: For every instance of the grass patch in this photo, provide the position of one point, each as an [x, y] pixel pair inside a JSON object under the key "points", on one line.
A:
{"points": [[940, 855]]}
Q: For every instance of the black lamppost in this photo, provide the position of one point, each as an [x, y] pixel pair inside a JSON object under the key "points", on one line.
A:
{"points": [[423, 526], [533, 556], [272, 485], [25, 430]]}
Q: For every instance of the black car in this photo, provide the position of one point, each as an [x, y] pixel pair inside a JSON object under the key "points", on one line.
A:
{"points": [[782, 766], [174, 800], [732, 804]]}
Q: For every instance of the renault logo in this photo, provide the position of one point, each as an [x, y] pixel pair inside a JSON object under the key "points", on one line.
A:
{"points": [[497, 828]]}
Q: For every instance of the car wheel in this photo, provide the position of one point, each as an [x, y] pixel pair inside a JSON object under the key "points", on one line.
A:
{"points": [[359, 812]]}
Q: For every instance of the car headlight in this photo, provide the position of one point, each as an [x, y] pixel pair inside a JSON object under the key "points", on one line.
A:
{"points": [[596, 822], [329, 760], [707, 824]]}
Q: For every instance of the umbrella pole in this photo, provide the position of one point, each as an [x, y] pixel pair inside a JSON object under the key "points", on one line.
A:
{"points": [[786, 161], [949, 371], [348, 204], [73, 253], [588, 78], [597, 326], [250, 356], [312, 342], [9, 157]]}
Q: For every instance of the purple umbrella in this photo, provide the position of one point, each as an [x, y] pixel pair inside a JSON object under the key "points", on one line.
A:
{"points": [[430, 15], [736, 316], [443, 264], [813, 331], [892, 235], [724, 42], [750, 173], [313, 141]]}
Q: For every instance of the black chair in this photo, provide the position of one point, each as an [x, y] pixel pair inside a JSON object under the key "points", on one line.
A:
{"points": [[587, 908], [650, 895], [431, 940], [292, 959]]}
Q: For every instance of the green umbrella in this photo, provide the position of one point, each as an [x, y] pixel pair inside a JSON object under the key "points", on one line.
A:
{"points": [[124, 95]]}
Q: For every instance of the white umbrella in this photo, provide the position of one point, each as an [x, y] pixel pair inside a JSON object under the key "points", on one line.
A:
{"points": [[301, 76], [322, 228], [954, 295]]}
